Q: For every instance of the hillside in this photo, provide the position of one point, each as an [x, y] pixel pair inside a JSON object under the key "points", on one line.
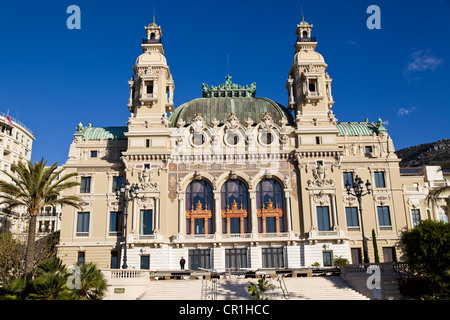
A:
{"points": [[434, 154]]}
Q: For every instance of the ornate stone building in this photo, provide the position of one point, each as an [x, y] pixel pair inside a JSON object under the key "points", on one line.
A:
{"points": [[231, 180], [16, 142]]}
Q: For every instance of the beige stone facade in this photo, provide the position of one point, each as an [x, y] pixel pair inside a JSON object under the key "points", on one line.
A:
{"points": [[16, 142], [232, 181]]}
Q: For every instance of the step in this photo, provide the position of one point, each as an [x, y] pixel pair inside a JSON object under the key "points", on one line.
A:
{"points": [[305, 288]]}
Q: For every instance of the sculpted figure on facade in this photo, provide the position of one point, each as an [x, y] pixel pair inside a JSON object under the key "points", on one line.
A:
{"points": [[146, 178], [320, 178]]}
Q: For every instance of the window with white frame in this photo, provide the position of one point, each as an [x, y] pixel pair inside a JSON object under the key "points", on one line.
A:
{"points": [[384, 217], [379, 180], [415, 217]]}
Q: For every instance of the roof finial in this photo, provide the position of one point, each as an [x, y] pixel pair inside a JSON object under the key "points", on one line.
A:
{"points": [[301, 7], [228, 65], [153, 14]]}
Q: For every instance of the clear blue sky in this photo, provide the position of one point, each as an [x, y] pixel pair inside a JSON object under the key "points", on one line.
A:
{"points": [[51, 78]]}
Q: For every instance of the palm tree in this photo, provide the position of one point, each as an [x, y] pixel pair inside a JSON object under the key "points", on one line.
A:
{"points": [[437, 193], [263, 285], [33, 187], [92, 282]]}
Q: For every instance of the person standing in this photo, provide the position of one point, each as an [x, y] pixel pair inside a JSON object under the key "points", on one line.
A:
{"points": [[182, 263]]}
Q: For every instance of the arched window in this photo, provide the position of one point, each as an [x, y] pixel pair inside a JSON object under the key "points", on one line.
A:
{"points": [[234, 207], [199, 203], [269, 204]]}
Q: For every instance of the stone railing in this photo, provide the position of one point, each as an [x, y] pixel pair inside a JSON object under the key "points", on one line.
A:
{"points": [[387, 268], [128, 274], [390, 275]]}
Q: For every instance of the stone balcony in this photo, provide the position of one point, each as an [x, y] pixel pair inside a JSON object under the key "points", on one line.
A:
{"points": [[235, 237], [315, 235]]}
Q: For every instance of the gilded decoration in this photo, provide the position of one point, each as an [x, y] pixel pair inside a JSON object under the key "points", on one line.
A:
{"points": [[177, 172], [234, 212], [198, 213], [270, 212]]}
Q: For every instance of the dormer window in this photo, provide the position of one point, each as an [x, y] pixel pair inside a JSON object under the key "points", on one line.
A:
{"points": [[312, 86], [149, 87]]}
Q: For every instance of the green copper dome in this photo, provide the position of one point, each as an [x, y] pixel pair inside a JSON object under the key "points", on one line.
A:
{"points": [[97, 133], [221, 107], [365, 128], [220, 101]]}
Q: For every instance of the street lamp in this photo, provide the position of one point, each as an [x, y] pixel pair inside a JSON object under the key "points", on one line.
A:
{"points": [[126, 193], [358, 192]]}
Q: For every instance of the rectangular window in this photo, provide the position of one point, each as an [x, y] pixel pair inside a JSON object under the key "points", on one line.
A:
{"points": [[415, 216], [356, 255], [81, 257], [145, 262], [199, 258], [327, 260], [199, 227], [389, 254], [83, 224], [352, 217], [235, 259], [235, 225], [146, 227], [379, 180], [323, 218], [384, 218], [149, 87], [147, 143], [147, 166], [94, 154], [115, 223], [348, 178], [85, 186], [272, 257], [270, 225], [117, 182], [312, 86], [114, 260], [368, 149], [317, 140]]}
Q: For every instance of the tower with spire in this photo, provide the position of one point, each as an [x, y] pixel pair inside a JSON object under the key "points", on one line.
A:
{"points": [[151, 91], [152, 86], [308, 84], [309, 94]]}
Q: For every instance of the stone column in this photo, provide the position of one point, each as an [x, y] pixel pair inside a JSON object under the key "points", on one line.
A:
{"points": [[287, 196], [253, 212], [333, 207], [313, 213], [181, 229], [156, 214], [217, 213]]}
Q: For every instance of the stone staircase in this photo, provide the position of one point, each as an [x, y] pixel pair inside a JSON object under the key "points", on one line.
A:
{"points": [[303, 288]]}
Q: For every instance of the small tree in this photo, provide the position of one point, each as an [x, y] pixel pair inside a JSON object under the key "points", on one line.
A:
{"points": [[12, 254], [427, 248], [375, 246], [339, 261], [50, 282], [263, 286], [92, 282]]}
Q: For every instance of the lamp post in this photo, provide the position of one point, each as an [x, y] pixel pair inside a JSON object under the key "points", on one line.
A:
{"points": [[126, 193], [358, 192]]}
